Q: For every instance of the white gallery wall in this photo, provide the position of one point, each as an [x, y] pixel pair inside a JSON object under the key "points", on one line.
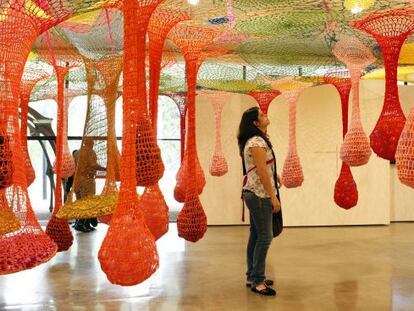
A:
{"points": [[382, 198]]}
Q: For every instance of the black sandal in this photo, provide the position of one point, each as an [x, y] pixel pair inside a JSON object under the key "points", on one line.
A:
{"points": [[266, 282], [267, 291]]}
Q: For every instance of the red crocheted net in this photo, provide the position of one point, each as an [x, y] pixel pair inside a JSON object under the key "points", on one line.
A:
{"points": [[28, 246], [405, 152], [191, 221], [31, 77], [128, 254], [390, 29], [292, 173], [264, 98], [218, 163], [345, 191], [355, 149]]}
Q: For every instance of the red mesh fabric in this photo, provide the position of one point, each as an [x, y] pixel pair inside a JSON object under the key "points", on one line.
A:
{"points": [[6, 160], [264, 98], [345, 191], [355, 149], [155, 211], [405, 152], [218, 163], [31, 77], [180, 99], [390, 29], [58, 229], [292, 174], [191, 221], [29, 246], [161, 22], [128, 254], [8, 221]]}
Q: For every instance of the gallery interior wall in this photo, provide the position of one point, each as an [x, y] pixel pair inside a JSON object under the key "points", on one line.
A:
{"points": [[382, 198]]}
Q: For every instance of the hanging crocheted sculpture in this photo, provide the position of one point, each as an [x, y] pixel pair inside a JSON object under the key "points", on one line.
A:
{"points": [[161, 23], [99, 146], [191, 221], [345, 191], [292, 173], [264, 98], [355, 149], [390, 29], [180, 99], [405, 152], [31, 77], [128, 254], [218, 163], [19, 27]]}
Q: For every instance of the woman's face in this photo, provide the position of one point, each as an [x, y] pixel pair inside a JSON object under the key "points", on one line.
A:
{"points": [[262, 120]]}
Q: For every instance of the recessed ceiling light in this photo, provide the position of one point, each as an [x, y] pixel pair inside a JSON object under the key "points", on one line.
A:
{"points": [[193, 2]]}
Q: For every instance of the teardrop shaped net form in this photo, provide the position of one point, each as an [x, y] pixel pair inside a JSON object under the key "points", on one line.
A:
{"points": [[192, 221], [128, 254], [99, 131], [355, 149], [29, 246], [8, 221], [218, 163], [292, 173], [155, 211], [345, 190], [31, 76], [405, 152], [264, 98], [390, 29]]}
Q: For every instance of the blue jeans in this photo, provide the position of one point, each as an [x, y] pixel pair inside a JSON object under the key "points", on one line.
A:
{"points": [[261, 236]]}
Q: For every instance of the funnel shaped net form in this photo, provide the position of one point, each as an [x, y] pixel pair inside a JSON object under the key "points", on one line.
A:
{"points": [[355, 149], [180, 99], [31, 77], [99, 151], [218, 163], [8, 221], [191, 221], [19, 27], [161, 22], [345, 191], [405, 152], [292, 174], [264, 98], [390, 29], [128, 254], [155, 211]]}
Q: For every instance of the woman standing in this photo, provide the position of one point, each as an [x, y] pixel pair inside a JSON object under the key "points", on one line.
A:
{"points": [[259, 194]]}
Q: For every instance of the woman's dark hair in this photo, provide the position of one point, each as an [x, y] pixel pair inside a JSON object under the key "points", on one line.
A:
{"points": [[247, 129]]}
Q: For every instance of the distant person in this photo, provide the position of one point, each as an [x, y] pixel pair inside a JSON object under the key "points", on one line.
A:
{"points": [[259, 194], [85, 180]]}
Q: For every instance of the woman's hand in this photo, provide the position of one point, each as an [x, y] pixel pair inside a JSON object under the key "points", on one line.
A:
{"points": [[275, 204], [279, 182]]}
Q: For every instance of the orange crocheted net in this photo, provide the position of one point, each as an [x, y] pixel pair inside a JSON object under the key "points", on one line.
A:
{"points": [[31, 76], [292, 174], [264, 98], [218, 163], [355, 149], [405, 152], [128, 253], [191, 221], [390, 28], [8, 221]]}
